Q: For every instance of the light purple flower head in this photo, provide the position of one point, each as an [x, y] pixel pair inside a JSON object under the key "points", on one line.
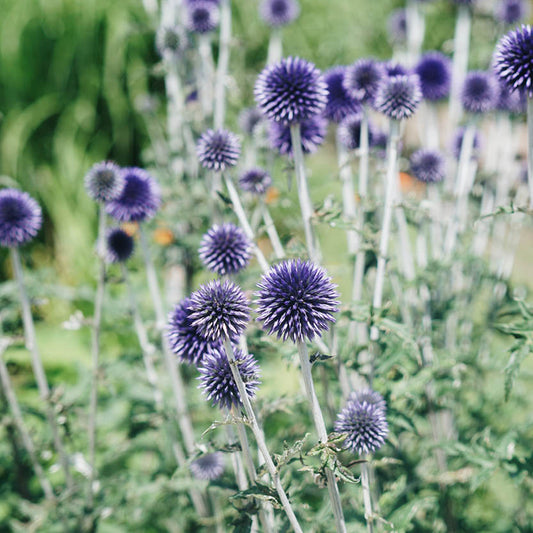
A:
{"points": [[479, 93], [208, 467], [340, 102], [428, 166], [20, 218], [312, 133], [291, 91], [398, 96], [203, 16], [397, 26], [104, 181], [349, 132], [511, 11], [393, 68], [511, 101], [218, 149], [362, 79], [277, 13], [435, 73], [255, 181], [119, 245]]}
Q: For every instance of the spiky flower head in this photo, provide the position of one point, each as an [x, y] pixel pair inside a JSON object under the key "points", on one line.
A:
{"points": [[398, 97], [296, 300], [393, 68], [397, 26], [119, 245], [277, 13], [479, 93], [218, 149], [435, 73], [363, 419], [184, 338], [362, 79], [225, 249], [513, 60], [457, 143], [291, 91], [104, 181], [217, 382], [349, 132], [511, 11], [140, 198], [340, 102], [428, 166], [255, 181], [203, 16], [249, 118], [170, 40], [208, 467], [219, 310], [312, 134], [20, 218]]}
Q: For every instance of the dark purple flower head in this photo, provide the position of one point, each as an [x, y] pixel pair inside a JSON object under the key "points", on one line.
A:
{"points": [[428, 166], [397, 26], [20, 218], [170, 40], [398, 97], [217, 381], [392, 68], [203, 16], [434, 71], [480, 92], [349, 132], [291, 91], [380, 139], [208, 467], [225, 249], [312, 132], [362, 79], [183, 338], [249, 119], [511, 11], [119, 246], [140, 198], [219, 310], [364, 422], [104, 181], [457, 143], [511, 101], [296, 300], [513, 60], [218, 150], [340, 102], [278, 13], [255, 181]]}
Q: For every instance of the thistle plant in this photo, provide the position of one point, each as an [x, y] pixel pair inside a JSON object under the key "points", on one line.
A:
{"points": [[277, 14]]}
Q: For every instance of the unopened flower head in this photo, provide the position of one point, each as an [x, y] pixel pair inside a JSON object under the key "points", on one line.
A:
{"points": [[362, 79], [208, 467], [340, 102], [428, 166], [434, 71], [255, 181], [480, 92], [104, 181], [218, 149], [203, 16], [349, 132], [277, 13], [119, 245], [398, 96], [20, 218], [312, 134]]}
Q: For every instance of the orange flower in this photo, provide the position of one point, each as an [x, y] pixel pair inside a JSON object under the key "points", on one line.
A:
{"points": [[409, 184], [131, 228], [163, 236], [271, 195]]}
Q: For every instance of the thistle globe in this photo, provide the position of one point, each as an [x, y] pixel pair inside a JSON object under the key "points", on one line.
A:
{"points": [[203, 16], [428, 166], [349, 132], [398, 97], [104, 181], [340, 102], [362, 79], [255, 181], [511, 11], [397, 26], [208, 467], [393, 68], [20, 218], [119, 246], [218, 149], [435, 73], [277, 13], [312, 134], [479, 93]]}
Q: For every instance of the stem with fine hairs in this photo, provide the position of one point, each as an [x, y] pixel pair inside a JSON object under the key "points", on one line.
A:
{"points": [[223, 63], [271, 230], [275, 47], [367, 498]]}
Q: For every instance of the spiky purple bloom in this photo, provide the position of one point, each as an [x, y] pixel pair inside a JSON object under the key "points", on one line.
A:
{"points": [[312, 133], [255, 181], [511, 11], [219, 310], [217, 381], [249, 118], [170, 40], [291, 91], [184, 338], [397, 26], [362, 79], [20, 218], [296, 300], [104, 181], [511, 101], [119, 245], [225, 249], [457, 143], [340, 102], [208, 467], [513, 60], [140, 198], [203, 16], [479, 93], [435, 73], [349, 132], [398, 97], [218, 149], [364, 422], [428, 166], [392, 68], [277, 13]]}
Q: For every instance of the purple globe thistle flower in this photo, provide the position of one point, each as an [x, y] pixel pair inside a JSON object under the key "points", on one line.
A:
{"points": [[104, 181], [184, 339], [140, 198], [428, 166], [203, 16], [312, 133], [20, 218], [277, 13], [219, 310], [380, 139], [398, 97], [255, 181], [291, 91], [362, 79], [480, 92], [511, 101], [340, 102], [217, 382], [208, 467], [225, 249], [397, 26], [218, 150], [119, 245], [249, 119], [392, 68], [457, 143], [513, 60], [349, 132], [170, 40], [371, 396], [296, 300], [511, 11], [434, 71], [364, 422]]}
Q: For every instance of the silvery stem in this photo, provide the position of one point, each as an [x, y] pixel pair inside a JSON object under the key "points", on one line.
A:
{"points": [[275, 47], [303, 194], [37, 365], [150, 6], [436, 221], [320, 427], [415, 31], [272, 231], [260, 439], [530, 149], [367, 498], [175, 106], [223, 62], [236, 459], [432, 126], [348, 197], [205, 74]]}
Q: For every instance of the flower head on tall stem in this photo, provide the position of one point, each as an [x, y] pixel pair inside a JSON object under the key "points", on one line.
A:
{"points": [[398, 96], [277, 13], [341, 102], [435, 72], [393, 68], [428, 166], [362, 79], [203, 16], [480, 92], [119, 245], [218, 149], [104, 181], [349, 132], [397, 26], [20, 218], [255, 181], [208, 467], [312, 134], [511, 11]]}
